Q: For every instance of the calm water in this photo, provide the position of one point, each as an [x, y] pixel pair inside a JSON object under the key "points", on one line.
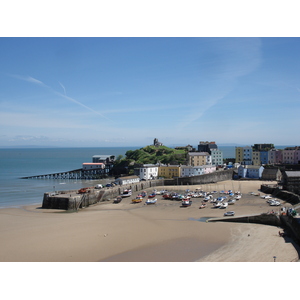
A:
{"points": [[16, 163]]}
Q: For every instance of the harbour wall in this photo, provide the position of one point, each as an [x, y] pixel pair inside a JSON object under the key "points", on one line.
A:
{"points": [[267, 219], [201, 179], [281, 194], [73, 201]]}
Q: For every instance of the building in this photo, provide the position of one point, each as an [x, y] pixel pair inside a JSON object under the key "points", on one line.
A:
{"points": [[127, 180], [250, 171], [263, 147], [291, 181], [256, 158], [169, 171], [275, 156], [207, 147], [103, 159], [107, 160], [189, 171], [271, 174], [198, 158], [239, 154], [148, 172], [212, 149], [93, 166], [217, 157], [243, 155]]}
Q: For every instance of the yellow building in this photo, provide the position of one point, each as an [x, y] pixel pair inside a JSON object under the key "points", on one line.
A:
{"points": [[170, 171], [256, 158], [239, 154]]}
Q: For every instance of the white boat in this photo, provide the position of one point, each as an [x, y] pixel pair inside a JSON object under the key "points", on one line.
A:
{"points": [[151, 201], [186, 202], [224, 205], [126, 193], [231, 201], [217, 204], [238, 197]]}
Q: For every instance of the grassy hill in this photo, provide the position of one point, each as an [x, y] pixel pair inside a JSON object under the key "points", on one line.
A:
{"points": [[148, 155]]}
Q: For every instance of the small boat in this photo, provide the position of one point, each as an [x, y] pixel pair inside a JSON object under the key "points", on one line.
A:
{"points": [[138, 199], [152, 195], [224, 205], [186, 202], [217, 205], [203, 205], [126, 193], [143, 193], [231, 201], [118, 199], [151, 201]]}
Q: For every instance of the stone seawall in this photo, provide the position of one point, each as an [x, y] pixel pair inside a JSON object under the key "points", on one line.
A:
{"points": [[281, 194], [201, 179], [71, 200], [267, 219]]}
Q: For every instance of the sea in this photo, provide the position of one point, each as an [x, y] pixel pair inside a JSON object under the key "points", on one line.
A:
{"points": [[22, 162]]}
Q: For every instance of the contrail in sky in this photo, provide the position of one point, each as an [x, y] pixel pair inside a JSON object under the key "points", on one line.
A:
{"points": [[36, 81], [63, 88]]}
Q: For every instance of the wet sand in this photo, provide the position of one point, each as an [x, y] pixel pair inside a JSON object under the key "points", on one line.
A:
{"points": [[126, 232]]}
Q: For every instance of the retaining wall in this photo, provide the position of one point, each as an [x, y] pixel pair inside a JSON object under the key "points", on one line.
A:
{"points": [[267, 219], [201, 179], [281, 194]]}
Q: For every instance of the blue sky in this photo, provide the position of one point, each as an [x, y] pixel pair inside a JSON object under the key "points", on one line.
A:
{"points": [[98, 92]]}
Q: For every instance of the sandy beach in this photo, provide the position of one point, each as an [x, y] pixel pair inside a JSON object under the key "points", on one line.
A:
{"points": [[126, 232]]}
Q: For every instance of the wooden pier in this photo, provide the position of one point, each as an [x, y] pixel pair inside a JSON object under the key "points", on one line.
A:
{"points": [[74, 174]]}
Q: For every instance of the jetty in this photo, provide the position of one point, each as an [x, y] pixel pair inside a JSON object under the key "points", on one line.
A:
{"points": [[73, 174]]}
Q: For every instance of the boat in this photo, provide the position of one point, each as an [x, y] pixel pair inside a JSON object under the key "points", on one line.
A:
{"points": [[126, 193], [152, 195], [138, 199], [151, 201], [118, 199], [224, 205], [203, 205], [143, 193], [186, 202], [231, 201], [217, 205]]}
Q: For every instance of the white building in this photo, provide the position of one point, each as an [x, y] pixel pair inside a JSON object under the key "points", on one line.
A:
{"points": [[93, 166], [148, 172], [209, 169], [127, 180], [216, 157], [250, 171], [188, 171]]}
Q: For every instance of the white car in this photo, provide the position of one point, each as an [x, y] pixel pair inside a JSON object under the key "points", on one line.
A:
{"points": [[229, 213]]}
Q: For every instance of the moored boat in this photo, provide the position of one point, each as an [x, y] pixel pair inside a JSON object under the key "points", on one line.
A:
{"points": [[224, 205], [138, 199], [118, 199], [186, 202], [126, 193], [151, 201]]}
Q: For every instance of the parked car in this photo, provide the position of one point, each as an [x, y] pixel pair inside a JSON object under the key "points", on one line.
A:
{"points": [[229, 213]]}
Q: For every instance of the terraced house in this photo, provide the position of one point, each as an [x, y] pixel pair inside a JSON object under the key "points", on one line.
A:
{"points": [[169, 171]]}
